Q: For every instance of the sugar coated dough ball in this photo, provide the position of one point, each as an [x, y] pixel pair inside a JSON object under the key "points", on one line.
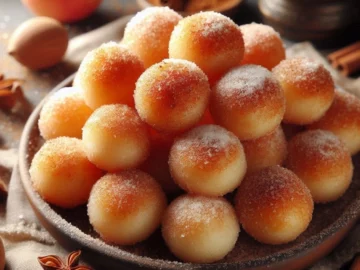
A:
{"points": [[343, 119], [115, 138], [209, 39], [64, 114], [273, 205], [62, 174], [266, 151], [207, 160], [200, 229], [172, 96], [148, 33], [126, 207], [248, 101], [308, 88], [322, 161], [263, 45], [108, 74]]}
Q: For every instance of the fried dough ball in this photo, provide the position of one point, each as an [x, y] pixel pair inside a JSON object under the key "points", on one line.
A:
{"points": [[263, 45], [64, 114], [273, 205], [148, 33], [200, 229], [308, 88], [172, 96], [343, 119], [209, 39], [207, 160], [115, 138], [62, 174], [126, 207], [248, 101], [265, 151], [322, 161], [108, 74]]}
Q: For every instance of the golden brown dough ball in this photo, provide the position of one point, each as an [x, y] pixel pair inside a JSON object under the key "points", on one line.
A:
{"points": [[265, 151], [343, 119], [64, 114], [308, 88], [62, 174], [273, 205], [126, 207], [322, 161], [148, 33], [263, 45], [200, 229], [172, 96], [207, 160], [108, 74], [248, 101], [209, 39], [115, 138]]}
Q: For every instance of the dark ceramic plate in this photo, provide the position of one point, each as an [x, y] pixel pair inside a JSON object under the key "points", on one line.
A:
{"points": [[71, 228]]}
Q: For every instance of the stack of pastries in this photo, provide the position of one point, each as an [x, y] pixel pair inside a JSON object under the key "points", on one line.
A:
{"points": [[159, 127]]}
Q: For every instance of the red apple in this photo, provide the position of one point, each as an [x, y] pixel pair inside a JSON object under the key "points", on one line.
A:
{"points": [[63, 10]]}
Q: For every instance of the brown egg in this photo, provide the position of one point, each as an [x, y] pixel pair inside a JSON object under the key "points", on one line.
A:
{"points": [[39, 42]]}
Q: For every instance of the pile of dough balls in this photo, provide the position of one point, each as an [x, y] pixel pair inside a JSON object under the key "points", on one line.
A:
{"points": [[196, 107]]}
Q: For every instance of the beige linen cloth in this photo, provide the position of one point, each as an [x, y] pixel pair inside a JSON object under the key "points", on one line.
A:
{"points": [[24, 237]]}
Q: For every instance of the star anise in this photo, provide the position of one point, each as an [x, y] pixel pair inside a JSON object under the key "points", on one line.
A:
{"points": [[53, 262]]}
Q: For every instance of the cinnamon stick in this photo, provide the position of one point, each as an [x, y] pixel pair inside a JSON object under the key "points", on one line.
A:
{"points": [[335, 56], [349, 63]]}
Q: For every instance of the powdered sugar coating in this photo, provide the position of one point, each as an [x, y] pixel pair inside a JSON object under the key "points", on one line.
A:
{"points": [[200, 229], [115, 138], [171, 96], [248, 81], [64, 114], [119, 201], [209, 39], [148, 33], [263, 45], [62, 174], [107, 75], [249, 93], [273, 205], [308, 88], [306, 75], [343, 119], [322, 161], [205, 144]]}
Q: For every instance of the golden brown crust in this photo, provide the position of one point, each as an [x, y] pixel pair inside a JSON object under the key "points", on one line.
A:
{"points": [[266, 151], [118, 194], [172, 95], [108, 74], [263, 45], [209, 39], [267, 197]]}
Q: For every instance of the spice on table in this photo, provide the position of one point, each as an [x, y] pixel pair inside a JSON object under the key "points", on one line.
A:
{"points": [[10, 92], [53, 262], [347, 59]]}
